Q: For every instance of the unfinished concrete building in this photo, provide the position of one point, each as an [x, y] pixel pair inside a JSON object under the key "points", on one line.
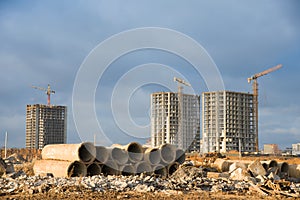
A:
{"points": [[228, 122], [45, 125], [174, 123]]}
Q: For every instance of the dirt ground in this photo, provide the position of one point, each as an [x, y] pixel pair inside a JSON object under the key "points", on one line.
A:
{"points": [[148, 195]]}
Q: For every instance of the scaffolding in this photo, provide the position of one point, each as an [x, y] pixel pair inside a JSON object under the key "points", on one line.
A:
{"points": [[168, 117], [228, 122], [45, 125]]}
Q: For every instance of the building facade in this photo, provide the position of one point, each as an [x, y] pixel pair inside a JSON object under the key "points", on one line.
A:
{"points": [[271, 149], [227, 122], [296, 149], [45, 125], [174, 122]]}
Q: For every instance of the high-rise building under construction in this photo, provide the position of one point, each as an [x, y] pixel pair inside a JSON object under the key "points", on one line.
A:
{"points": [[45, 125], [175, 120], [228, 122]]}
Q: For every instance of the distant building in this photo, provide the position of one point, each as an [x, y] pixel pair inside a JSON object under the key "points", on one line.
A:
{"points": [[227, 122], [45, 125], [170, 124], [271, 149], [296, 149]]}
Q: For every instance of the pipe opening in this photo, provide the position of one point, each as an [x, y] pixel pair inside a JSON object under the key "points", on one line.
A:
{"points": [[154, 156], [168, 153], [77, 169], [127, 170], [143, 167], [160, 170], [173, 168], [87, 152], [180, 156], [273, 163], [110, 168], [93, 169], [284, 167], [135, 152], [265, 165], [119, 155]]}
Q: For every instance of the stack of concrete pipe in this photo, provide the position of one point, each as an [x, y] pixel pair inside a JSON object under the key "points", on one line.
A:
{"points": [[85, 159]]}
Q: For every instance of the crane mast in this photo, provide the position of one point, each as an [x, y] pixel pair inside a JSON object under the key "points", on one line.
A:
{"points": [[180, 82], [48, 92], [255, 97]]}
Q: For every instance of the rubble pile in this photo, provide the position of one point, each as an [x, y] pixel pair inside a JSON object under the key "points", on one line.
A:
{"points": [[185, 179]]}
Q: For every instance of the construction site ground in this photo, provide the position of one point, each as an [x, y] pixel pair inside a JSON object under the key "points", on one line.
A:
{"points": [[174, 195], [148, 195]]}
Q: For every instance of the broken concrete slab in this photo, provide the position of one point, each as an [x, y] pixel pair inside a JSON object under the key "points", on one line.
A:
{"points": [[239, 174], [236, 165], [256, 168]]}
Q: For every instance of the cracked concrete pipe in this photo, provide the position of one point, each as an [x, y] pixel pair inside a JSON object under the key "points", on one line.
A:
{"points": [[160, 170], [85, 152], [102, 154], [110, 168], [283, 167], [152, 155], [127, 170], [120, 156], [172, 168], [143, 167], [60, 168], [168, 153], [93, 169], [180, 156]]}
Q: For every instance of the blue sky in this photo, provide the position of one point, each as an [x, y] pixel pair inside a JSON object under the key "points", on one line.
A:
{"points": [[47, 41]]}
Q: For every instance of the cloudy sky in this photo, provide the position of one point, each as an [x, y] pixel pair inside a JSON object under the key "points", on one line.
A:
{"points": [[49, 42]]}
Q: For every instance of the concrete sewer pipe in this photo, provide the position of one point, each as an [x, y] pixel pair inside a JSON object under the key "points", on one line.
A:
{"points": [[168, 153], [180, 156], [102, 154], [93, 169], [143, 167], [60, 168], [85, 152], [294, 171], [127, 170], [120, 156], [110, 168], [135, 152], [172, 168], [160, 170], [283, 167], [152, 155]]}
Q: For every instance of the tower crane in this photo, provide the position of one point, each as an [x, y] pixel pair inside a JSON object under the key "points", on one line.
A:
{"points": [[48, 92], [180, 82], [255, 95]]}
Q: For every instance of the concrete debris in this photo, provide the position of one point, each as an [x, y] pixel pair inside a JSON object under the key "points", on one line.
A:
{"points": [[236, 165], [256, 168], [183, 180], [239, 174], [217, 175]]}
